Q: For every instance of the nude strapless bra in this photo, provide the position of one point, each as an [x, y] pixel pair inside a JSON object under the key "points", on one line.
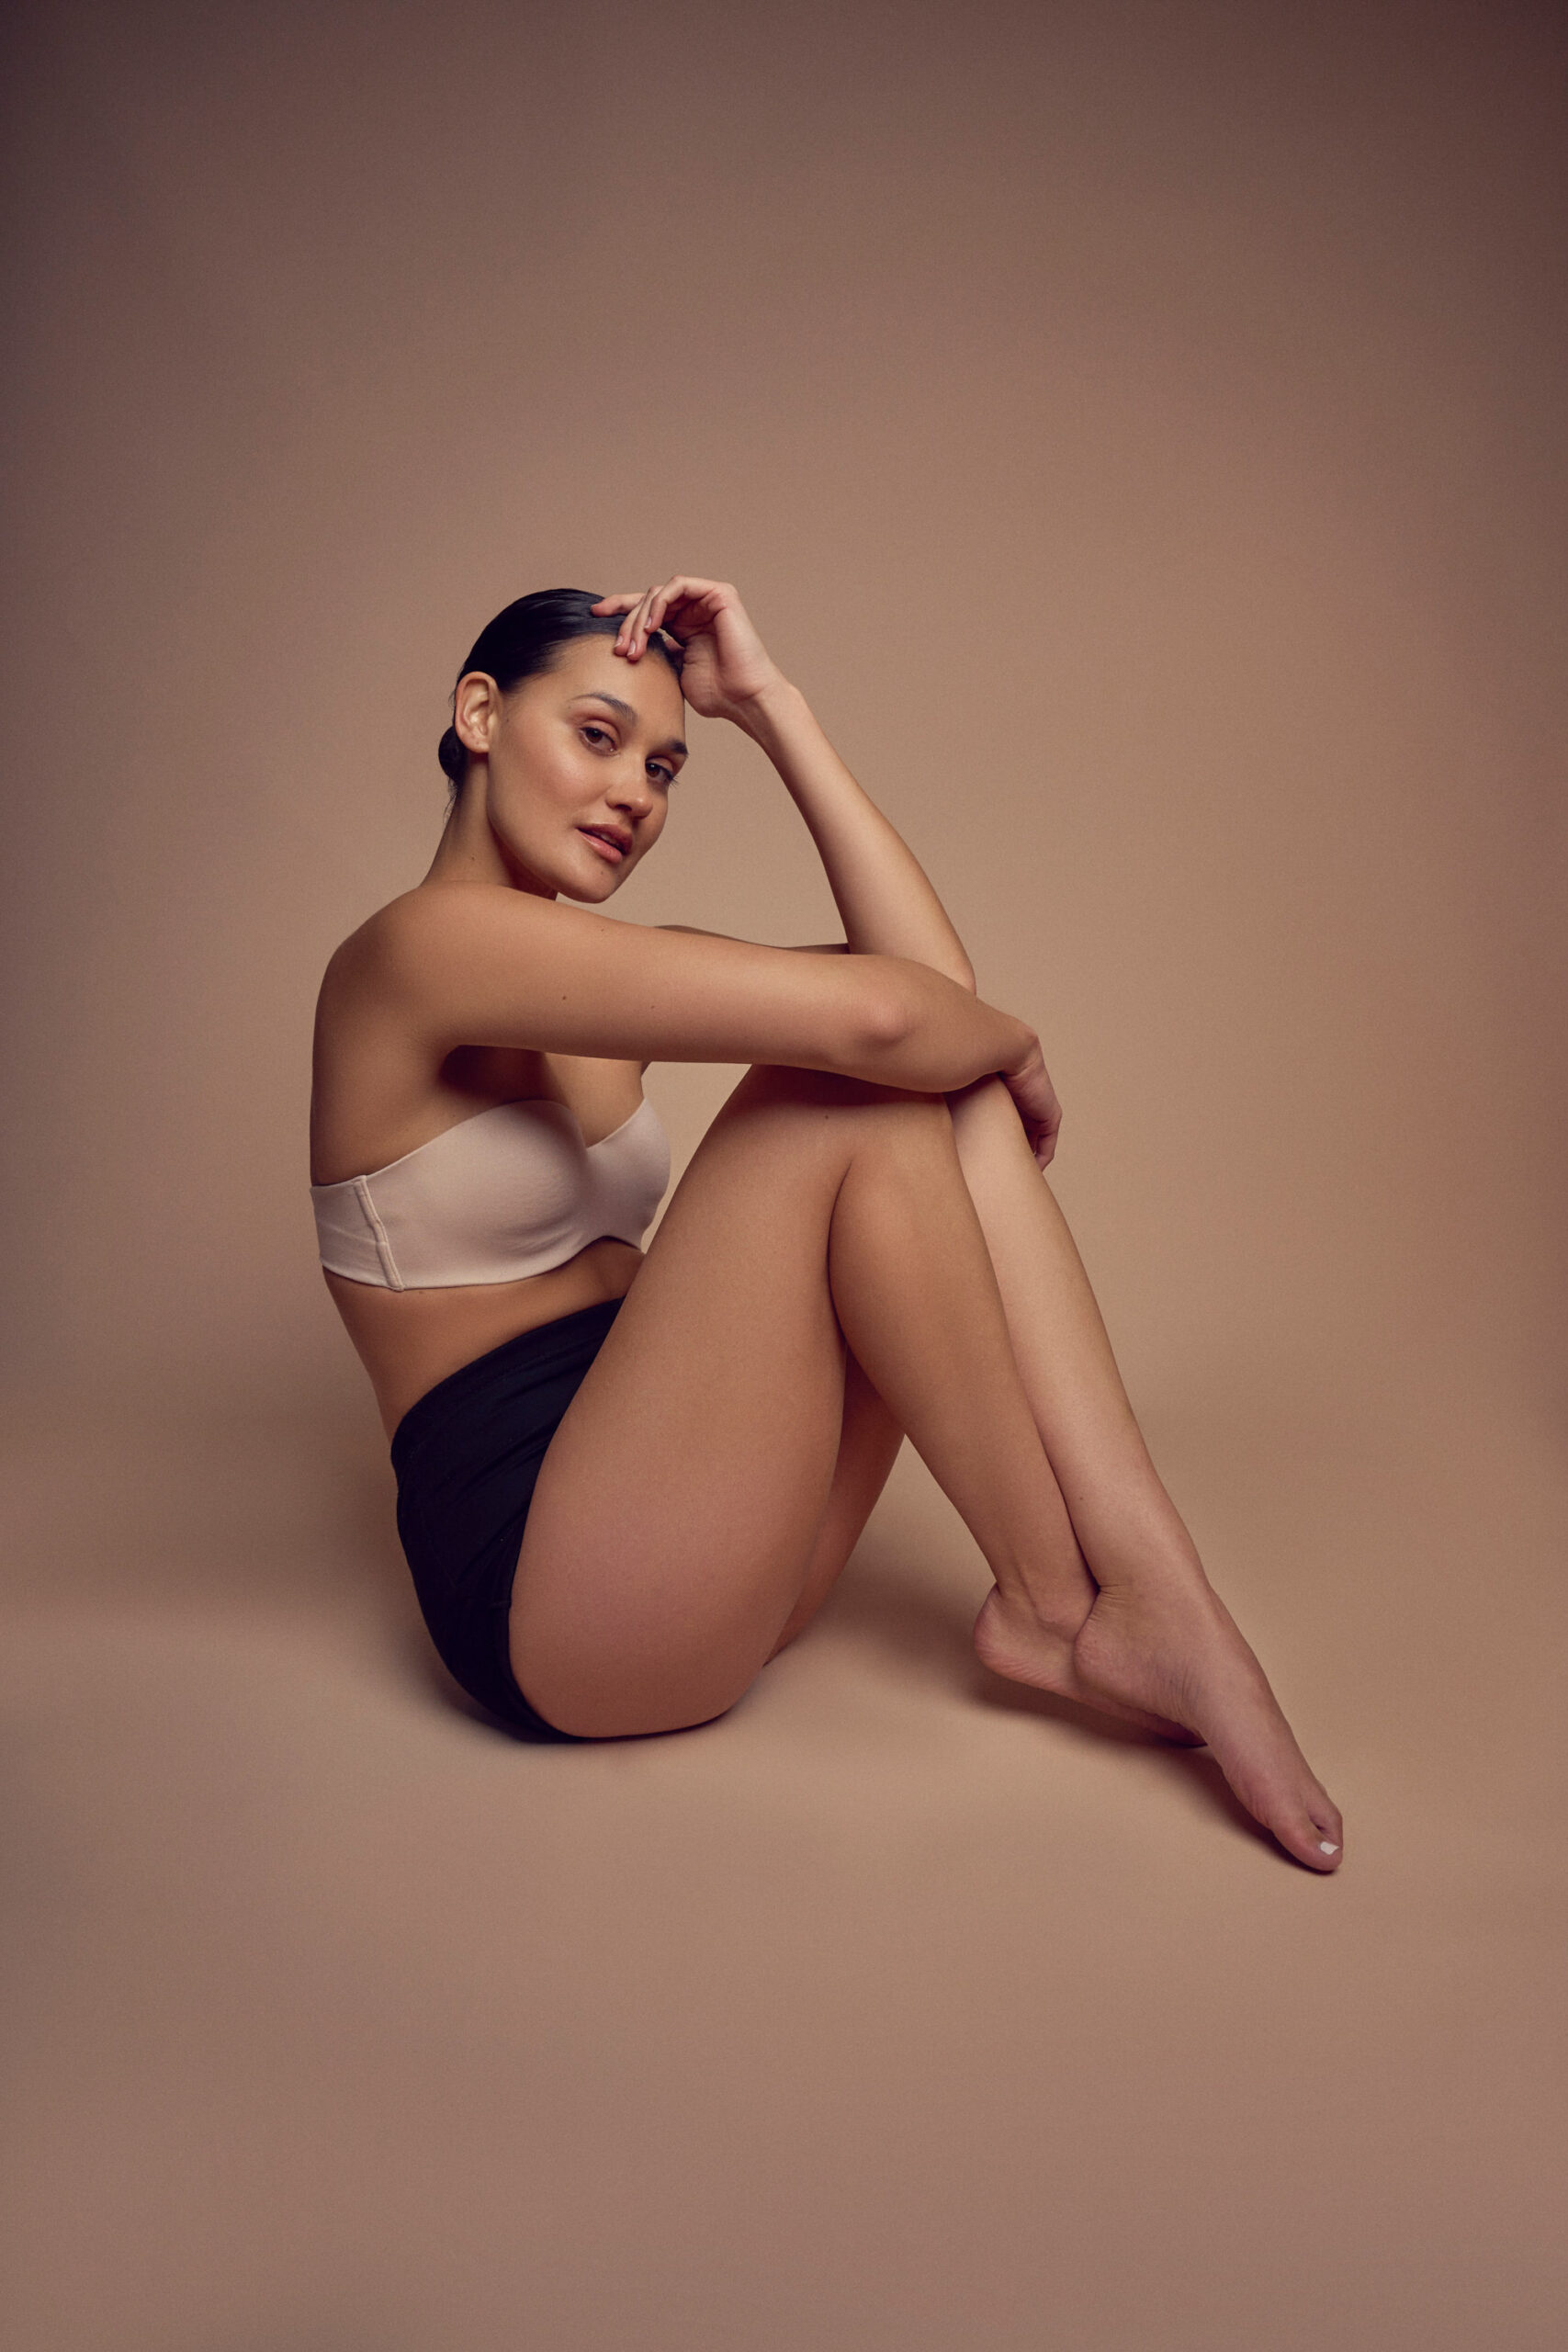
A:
{"points": [[511, 1190]]}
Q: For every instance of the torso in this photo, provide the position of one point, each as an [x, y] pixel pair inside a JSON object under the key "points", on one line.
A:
{"points": [[408, 1340], [372, 1100]]}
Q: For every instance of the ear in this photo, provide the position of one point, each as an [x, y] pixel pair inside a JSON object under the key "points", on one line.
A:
{"points": [[476, 711]]}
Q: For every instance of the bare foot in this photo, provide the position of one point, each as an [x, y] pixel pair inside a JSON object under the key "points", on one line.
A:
{"points": [[1028, 1644], [1174, 1648], [1169, 1658]]}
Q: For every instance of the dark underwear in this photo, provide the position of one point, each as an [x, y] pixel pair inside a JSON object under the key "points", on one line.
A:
{"points": [[468, 1456]]}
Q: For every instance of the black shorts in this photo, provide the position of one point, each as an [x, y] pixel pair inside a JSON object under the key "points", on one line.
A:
{"points": [[467, 1457]]}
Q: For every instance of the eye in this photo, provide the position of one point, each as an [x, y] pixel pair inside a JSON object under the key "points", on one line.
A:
{"points": [[598, 735], [665, 774]]}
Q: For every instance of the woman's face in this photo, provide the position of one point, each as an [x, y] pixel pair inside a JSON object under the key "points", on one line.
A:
{"points": [[581, 758]]}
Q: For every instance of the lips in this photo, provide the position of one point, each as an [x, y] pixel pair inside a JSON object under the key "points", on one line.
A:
{"points": [[612, 844]]}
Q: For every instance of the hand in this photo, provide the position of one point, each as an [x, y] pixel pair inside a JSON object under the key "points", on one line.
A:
{"points": [[726, 666], [1035, 1099]]}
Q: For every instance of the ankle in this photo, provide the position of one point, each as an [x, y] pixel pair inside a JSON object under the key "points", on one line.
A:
{"points": [[1056, 1594], [1149, 1553]]}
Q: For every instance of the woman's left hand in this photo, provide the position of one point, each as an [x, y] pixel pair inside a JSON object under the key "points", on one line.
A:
{"points": [[726, 666], [1034, 1100]]}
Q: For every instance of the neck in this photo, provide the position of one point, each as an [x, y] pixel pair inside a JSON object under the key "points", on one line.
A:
{"points": [[469, 849]]}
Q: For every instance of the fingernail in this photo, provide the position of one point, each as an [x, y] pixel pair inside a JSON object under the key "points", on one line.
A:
{"points": [[1325, 1847]]}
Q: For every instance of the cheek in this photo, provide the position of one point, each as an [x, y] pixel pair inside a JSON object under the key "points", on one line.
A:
{"points": [[550, 771]]}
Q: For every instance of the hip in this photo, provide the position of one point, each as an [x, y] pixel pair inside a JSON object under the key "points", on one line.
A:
{"points": [[467, 1455]]}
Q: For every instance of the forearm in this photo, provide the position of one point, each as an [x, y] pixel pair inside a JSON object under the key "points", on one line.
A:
{"points": [[934, 1035], [888, 905]]}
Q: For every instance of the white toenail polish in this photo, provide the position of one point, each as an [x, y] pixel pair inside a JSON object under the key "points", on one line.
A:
{"points": [[1325, 1847]]}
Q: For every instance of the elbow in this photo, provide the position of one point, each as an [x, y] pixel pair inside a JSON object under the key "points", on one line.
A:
{"points": [[886, 1025], [882, 1019]]}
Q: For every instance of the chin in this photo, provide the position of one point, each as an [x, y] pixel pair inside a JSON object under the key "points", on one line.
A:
{"points": [[564, 877], [590, 889]]}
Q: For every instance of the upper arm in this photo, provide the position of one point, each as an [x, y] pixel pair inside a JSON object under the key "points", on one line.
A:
{"points": [[956, 968], [474, 964], [823, 947]]}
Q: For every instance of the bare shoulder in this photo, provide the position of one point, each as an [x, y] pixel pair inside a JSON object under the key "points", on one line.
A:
{"points": [[400, 956], [428, 922]]}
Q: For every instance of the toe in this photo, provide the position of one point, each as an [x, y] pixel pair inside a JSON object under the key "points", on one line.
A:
{"points": [[1316, 1837], [1330, 1833]]}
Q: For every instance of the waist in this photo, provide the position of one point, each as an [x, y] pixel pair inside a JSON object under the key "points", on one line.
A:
{"points": [[410, 1340]]}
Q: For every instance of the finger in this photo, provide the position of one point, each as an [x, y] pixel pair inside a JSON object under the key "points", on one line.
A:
{"points": [[682, 598], [659, 604], [648, 619], [679, 589], [663, 603], [626, 642], [608, 604], [703, 596], [633, 629], [666, 600]]}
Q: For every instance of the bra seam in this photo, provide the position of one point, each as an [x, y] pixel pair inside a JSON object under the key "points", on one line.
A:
{"points": [[379, 1234]]}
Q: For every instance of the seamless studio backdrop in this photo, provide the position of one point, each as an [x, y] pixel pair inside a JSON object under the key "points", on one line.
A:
{"points": [[1139, 429]]}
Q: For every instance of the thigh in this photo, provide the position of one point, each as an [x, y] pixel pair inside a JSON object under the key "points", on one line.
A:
{"points": [[869, 1439], [677, 1515]]}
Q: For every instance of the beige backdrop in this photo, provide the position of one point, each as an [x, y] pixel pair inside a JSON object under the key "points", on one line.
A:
{"points": [[1139, 428]]}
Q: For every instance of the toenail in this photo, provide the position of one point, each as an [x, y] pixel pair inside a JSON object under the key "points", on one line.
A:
{"points": [[1325, 1847]]}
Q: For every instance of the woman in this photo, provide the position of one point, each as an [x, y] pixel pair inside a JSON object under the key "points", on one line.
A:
{"points": [[624, 1481]]}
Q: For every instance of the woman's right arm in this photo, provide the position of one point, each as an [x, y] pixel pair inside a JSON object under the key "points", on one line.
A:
{"points": [[888, 906], [474, 964], [884, 898]]}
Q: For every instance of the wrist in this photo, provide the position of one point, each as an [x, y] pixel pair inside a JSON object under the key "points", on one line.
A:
{"points": [[1027, 1054], [768, 715]]}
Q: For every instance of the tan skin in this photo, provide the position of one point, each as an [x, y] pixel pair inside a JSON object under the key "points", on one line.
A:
{"points": [[716, 1468]]}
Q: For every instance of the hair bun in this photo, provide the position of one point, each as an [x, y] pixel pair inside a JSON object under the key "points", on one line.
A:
{"points": [[452, 753]]}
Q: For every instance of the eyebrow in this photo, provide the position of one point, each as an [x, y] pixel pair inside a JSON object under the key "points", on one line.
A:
{"points": [[592, 694]]}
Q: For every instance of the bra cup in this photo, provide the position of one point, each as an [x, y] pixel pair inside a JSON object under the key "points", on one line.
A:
{"points": [[511, 1190], [471, 1213], [632, 1170]]}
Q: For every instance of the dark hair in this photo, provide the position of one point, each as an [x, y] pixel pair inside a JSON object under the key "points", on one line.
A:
{"points": [[523, 641]]}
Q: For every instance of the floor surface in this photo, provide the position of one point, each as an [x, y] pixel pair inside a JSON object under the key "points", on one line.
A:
{"points": [[899, 2009]]}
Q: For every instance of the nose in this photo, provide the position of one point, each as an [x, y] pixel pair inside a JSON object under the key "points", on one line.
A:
{"points": [[631, 790]]}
